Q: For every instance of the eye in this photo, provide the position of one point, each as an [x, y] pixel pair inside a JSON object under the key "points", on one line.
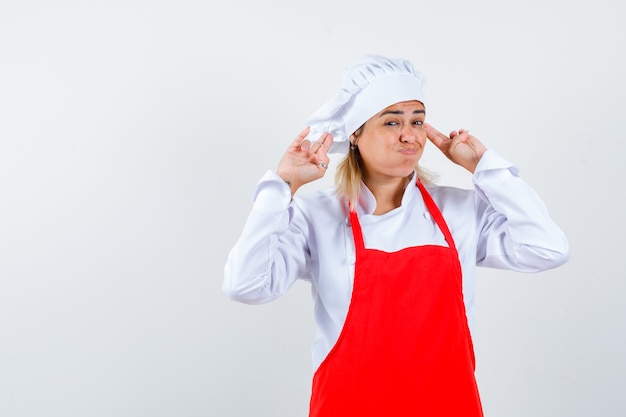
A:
{"points": [[391, 123], [418, 122]]}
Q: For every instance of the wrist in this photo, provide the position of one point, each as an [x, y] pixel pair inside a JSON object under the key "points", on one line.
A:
{"points": [[288, 179]]}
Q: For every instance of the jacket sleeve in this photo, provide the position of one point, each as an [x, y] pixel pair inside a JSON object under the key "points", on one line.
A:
{"points": [[515, 229], [271, 252]]}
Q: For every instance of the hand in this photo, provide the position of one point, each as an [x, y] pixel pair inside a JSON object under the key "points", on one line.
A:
{"points": [[460, 147], [303, 162]]}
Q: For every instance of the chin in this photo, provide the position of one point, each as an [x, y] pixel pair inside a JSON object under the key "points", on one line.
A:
{"points": [[403, 173], [407, 169]]}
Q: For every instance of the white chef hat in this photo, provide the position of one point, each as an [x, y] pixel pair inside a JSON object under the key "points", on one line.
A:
{"points": [[369, 85]]}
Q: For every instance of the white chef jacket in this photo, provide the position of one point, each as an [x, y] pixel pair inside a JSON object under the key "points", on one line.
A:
{"points": [[502, 223]]}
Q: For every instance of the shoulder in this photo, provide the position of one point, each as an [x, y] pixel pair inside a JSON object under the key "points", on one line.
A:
{"points": [[459, 208], [446, 197], [323, 203], [326, 219]]}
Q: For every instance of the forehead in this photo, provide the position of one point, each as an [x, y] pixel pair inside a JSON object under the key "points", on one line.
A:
{"points": [[406, 107]]}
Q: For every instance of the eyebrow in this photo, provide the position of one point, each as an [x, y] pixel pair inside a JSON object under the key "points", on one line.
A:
{"points": [[401, 112]]}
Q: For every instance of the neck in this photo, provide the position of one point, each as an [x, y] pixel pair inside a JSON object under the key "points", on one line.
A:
{"points": [[388, 193]]}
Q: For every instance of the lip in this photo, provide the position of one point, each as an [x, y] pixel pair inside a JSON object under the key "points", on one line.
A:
{"points": [[408, 151]]}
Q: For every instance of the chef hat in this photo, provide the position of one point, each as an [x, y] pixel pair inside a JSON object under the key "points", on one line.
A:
{"points": [[369, 85]]}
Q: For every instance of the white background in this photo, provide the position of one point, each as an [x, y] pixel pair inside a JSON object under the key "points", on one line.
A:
{"points": [[131, 136]]}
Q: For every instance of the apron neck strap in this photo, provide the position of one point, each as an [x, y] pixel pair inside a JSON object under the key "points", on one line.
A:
{"points": [[430, 205], [434, 211], [356, 230]]}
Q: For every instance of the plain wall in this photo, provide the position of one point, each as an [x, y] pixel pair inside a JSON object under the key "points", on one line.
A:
{"points": [[132, 134]]}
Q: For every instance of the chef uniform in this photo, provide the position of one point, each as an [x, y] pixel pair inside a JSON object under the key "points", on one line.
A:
{"points": [[390, 302]]}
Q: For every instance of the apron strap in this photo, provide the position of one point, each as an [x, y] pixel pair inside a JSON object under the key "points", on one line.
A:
{"points": [[356, 231], [434, 211], [430, 205]]}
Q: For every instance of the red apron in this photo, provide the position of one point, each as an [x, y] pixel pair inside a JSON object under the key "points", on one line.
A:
{"points": [[405, 347]]}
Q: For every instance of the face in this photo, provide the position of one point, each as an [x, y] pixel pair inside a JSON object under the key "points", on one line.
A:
{"points": [[392, 141]]}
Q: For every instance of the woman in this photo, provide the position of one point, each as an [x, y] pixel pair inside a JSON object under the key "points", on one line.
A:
{"points": [[391, 258]]}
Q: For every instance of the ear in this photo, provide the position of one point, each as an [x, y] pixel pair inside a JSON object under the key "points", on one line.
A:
{"points": [[353, 139], [355, 136]]}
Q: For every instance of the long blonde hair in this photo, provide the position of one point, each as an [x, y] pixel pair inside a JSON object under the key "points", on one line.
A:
{"points": [[349, 173]]}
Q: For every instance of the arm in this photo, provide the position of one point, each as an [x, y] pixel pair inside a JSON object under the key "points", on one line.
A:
{"points": [[272, 251], [515, 230]]}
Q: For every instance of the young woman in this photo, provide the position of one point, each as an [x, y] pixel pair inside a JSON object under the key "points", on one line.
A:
{"points": [[391, 258]]}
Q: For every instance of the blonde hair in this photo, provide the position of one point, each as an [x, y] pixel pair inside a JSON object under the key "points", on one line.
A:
{"points": [[349, 173]]}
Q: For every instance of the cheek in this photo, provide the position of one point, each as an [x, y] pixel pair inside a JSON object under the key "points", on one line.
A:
{"points": [[369, 156], [422, 137], [369, 149]]}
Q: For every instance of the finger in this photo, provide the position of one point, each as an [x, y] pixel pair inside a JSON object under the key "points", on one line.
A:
{"points": [[321, 158], [435, 136], [323, 165], [328, 142], [297, 142], [305, 145], [323, 143], [463, 135]]}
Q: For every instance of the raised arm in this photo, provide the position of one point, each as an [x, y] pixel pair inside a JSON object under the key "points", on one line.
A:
{"points": [[515, 229], [272, 251]]}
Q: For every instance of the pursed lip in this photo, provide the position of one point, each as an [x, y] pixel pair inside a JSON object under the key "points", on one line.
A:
{"points": [[408, 151]]}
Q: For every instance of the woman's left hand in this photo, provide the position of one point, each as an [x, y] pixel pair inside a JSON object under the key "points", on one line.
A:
{"points": [[460, 147]]}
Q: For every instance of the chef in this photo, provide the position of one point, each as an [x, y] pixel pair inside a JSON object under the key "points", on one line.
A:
{"points": [[391, 256]]}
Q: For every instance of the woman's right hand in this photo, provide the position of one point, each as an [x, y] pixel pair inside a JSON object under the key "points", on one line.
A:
{"points": [[304, 162]]}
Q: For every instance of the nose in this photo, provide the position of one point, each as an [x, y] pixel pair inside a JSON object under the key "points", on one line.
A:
{"points": [[409, 135]]}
